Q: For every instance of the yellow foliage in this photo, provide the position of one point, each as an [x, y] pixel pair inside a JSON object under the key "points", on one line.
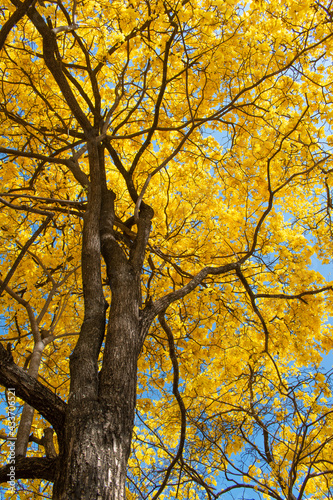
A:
{"points": [[219, 115]]}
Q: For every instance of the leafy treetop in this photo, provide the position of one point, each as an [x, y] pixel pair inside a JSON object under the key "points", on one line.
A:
{"points": [[217, 114]]}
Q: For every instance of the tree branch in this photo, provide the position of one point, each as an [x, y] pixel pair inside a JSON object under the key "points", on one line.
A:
{"points": [[290, 297], [13, 20], [33, 392], [162, 303], [23, 251], [180, 402], [30, 468], [154, 309], [254, 305]]}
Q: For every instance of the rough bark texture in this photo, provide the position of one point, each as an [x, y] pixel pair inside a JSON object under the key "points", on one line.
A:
{"points": [[31, 468], [97, 445], [98, 431], [100, 414], [32, 391]]}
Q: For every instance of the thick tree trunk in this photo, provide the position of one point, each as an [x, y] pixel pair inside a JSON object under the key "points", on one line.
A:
{"points": [[98, 431], [98, 441]]}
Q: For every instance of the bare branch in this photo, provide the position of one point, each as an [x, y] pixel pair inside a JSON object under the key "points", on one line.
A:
{"points": [[139, 200], [162, 303]]}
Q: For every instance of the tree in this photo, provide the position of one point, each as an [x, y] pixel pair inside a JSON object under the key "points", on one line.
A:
{"points": [[166, 179]]}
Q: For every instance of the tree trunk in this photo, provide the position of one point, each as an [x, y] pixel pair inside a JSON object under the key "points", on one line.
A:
{"points": [[98, 432], [98, 440]]}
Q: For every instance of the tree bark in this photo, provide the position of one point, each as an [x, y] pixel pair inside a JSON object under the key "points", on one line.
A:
{"points": [[23, 432], [32, 391], [98, 432], [31, 468], [97, 446], [101, 406]]}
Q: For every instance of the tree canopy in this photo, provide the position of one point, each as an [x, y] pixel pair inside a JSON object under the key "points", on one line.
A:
{"points": [[166, 180]]}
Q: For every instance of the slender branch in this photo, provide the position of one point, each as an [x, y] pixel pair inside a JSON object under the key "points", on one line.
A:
{"points": [[180, 402], [27, 306], [36, 156], [26, 208], [70, 163], [161, 304], [79, 204], [152, 310], [254, 305], [291, 297], [158, 100], [22, 252]]}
